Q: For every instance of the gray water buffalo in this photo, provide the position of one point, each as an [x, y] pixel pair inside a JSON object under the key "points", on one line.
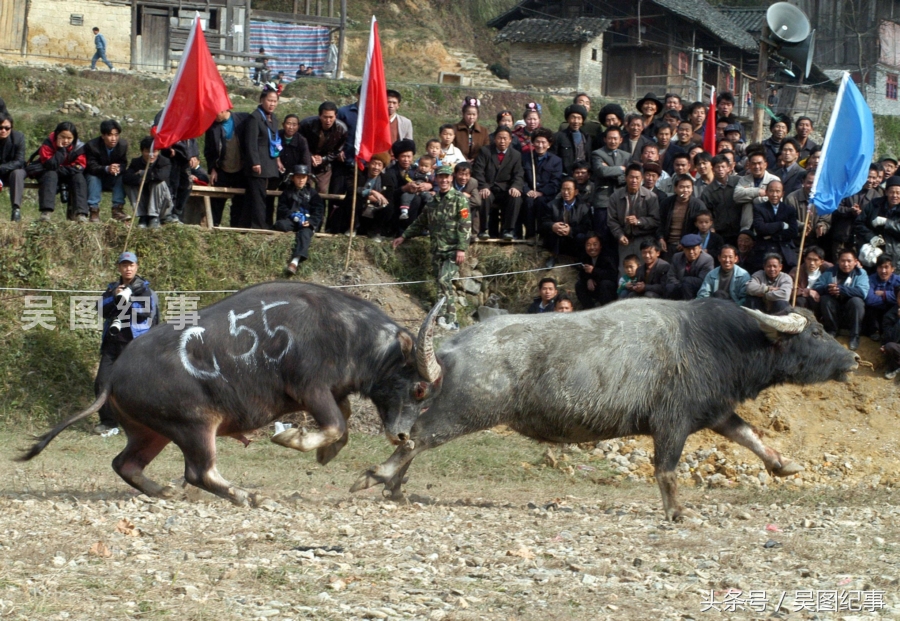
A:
{"points": [[254, 356], [658, 368]]}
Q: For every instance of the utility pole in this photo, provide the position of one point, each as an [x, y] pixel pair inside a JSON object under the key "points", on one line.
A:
{"points": [[699, 76], [759, 92]]}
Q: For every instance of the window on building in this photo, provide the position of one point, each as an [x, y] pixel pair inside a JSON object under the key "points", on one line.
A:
{"points": [[891, 86], [683, 63], [594, 54]]}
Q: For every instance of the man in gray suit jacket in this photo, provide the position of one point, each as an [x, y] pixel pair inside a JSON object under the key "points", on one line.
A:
{"points": [[501, 182], [608, 165], [633, 214]]}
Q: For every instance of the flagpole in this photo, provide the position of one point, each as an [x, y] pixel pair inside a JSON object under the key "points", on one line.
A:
{"points": [[137, 203], [534, 183], [830, 131], [352, 215], [799, 255]]}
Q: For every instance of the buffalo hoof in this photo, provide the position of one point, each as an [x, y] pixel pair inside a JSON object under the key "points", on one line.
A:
{"points": [[787, 469], [325, 454], [289, 438], [258, 501], [167, 492], [367, 480], [680, 514]]}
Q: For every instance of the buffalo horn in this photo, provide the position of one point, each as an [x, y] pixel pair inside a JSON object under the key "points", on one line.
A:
{"points": [[425, 358], [786, 324]]}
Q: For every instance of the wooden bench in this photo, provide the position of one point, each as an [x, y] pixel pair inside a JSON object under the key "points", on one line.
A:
{"points": [[200, 212]]}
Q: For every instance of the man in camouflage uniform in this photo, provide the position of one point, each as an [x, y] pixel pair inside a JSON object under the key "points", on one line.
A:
{"points": [[446, 218]]}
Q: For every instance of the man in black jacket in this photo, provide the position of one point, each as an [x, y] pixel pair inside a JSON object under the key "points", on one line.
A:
{"points": [[222, 150], [718, 197], [597, 276], [566, 223], [261, 147], [301, 210], [12, 163], [326, 137], [107, 158], [501, 181], [572, 144]]}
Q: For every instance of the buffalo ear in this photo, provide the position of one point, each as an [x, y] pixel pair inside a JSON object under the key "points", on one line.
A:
{"points": [[420, 391], [407, 347]]}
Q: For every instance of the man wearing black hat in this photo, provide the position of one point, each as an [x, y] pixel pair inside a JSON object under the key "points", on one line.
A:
{"points": [[572, 144], [611, 115], [779, 126], [589, 127], [879, 222], [404, 184], [688, 269], [649, 106], [326, 136], [501, 182], [301, 210]]}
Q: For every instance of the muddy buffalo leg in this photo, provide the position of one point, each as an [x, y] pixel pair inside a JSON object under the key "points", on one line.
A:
{"points": [[199, 448], [667, 447], [325, 454], [738, 430], [432, 429], [393, 489], [324, 409], [143, 445]]}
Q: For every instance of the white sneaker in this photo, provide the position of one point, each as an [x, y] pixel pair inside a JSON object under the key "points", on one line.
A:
{"points": [[404, 214], [892, 374]]}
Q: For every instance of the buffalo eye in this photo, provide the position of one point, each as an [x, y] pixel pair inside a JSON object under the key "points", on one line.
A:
{"points": [[420, 391]]}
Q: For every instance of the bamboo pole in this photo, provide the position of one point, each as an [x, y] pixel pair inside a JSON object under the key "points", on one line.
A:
{"points": [[352, 215], [800, 257], [137, 202]]}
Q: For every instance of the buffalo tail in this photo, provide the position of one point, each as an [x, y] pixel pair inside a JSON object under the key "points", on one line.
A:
{"points": [[44, 440]]}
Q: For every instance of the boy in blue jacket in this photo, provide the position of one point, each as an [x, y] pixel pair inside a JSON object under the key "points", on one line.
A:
{"points": [[882, 297]]}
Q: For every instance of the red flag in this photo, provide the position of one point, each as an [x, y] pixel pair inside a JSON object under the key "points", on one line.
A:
{"points": [[373, 129], [709, 134], [197, 95]]}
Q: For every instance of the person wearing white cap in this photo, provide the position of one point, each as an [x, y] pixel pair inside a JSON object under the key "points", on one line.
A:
{"points": [[129, 308]]}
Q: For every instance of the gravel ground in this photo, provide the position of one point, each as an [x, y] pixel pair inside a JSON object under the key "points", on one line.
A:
{"points": [[76, 545]]}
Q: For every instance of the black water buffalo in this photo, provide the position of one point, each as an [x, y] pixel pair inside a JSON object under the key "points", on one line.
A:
{"points": [[657, 368], [261, 353]]}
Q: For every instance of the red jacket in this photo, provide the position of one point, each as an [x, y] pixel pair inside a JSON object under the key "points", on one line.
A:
{"points": [[72, 157]]}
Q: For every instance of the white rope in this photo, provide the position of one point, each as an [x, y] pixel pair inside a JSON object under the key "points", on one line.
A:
{"points": [[375, 284]]}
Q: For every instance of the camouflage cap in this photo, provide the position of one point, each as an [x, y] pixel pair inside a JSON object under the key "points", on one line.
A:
{"points": [[444, 170]]}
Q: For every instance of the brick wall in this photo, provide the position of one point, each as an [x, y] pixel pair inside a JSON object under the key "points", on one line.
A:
{"points": [[532, 64], [52, 37], [590, 75]]}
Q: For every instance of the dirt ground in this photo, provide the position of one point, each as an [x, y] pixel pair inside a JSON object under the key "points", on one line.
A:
{"points": [[493, 526]]}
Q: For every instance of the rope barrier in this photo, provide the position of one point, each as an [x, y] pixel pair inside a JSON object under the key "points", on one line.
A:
{"points": [[360, 285]]}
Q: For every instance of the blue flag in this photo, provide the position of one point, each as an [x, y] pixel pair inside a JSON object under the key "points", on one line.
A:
{"points": [[847, 152]]}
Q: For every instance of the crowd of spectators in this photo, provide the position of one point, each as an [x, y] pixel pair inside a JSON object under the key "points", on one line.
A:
{"points": [[631, 195]]}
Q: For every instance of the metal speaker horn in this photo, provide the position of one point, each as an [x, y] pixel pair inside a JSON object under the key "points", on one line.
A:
{"points": [[801, 54], [787, 23]]}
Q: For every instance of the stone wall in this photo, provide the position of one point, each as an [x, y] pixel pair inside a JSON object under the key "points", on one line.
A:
{"points": [[590, 76], [51, 37], [876, 96], [543, 65]]}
